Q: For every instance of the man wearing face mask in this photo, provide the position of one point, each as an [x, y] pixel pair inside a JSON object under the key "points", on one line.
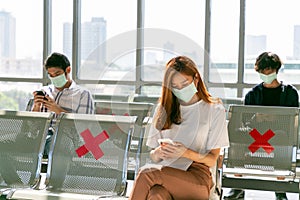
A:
{"points": [[270, 92], [63, 95]]}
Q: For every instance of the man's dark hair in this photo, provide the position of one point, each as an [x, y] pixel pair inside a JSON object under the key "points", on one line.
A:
{"points": [[57, 60], [267, 60]]}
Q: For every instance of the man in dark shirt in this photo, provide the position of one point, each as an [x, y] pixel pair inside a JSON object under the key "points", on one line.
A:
{"points": [[270, 92]]}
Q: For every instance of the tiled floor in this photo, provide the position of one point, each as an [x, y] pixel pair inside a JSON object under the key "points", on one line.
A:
{"points": [[249, 194], [263, 195]]}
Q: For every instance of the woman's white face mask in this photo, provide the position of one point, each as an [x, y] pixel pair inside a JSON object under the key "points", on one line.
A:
{"points": [[185, 94], [268, 78]]}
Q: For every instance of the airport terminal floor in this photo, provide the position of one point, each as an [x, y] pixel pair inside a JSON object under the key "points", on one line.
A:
{"points": [[262, 195], [254, 195]]}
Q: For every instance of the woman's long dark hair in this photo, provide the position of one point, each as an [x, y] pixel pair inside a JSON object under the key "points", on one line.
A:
{"points": [[169, 112]]}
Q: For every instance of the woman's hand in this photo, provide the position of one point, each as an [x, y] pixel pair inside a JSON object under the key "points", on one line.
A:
{"points": [[168, 151], [156, 154]]}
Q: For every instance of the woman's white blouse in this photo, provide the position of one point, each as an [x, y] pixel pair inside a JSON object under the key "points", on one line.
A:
{"points": [[203, 128]]}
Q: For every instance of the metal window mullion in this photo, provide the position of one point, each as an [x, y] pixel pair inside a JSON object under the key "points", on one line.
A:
{"points": [[139, 45], [241, 54], [207, 37], [47, 35], [28, 80], [76, 39]]}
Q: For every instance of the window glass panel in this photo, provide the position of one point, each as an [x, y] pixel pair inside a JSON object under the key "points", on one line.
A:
{"points": [[151, 90], [224, 41], [108, 40], [15, 95], [223, 93], [119, 68], [109, 89], [21, 38], [245, 91], [62, 19], [277, 31], [169, 34]]}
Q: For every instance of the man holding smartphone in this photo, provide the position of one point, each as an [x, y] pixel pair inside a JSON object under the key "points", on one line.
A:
{"points": [[63, 95]]}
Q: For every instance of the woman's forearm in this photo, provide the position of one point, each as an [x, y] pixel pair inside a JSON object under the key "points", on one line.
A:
{"points": [[208, 159]]}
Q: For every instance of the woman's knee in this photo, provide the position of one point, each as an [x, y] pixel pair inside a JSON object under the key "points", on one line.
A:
{"points": [[149, 175], [158, 192]]}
